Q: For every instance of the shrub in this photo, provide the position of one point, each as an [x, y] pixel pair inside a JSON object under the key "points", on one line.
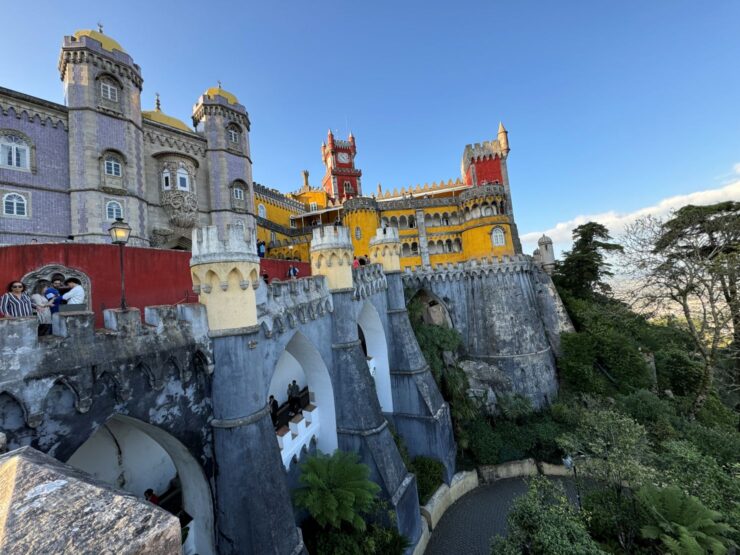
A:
{"points": [[678, 372], [514, 407], [577, 361], [484, 443], [715, 413], [429, 476], [721, 443]]}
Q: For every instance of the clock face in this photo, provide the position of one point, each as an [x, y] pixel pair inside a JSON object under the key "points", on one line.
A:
{"points": [[343, 157]]}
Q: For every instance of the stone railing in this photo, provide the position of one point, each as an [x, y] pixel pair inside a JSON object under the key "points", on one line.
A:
{"points": [[479, 267], [482, 191], [360, 203], [300, 432], [237, 243], [368, 280], [331, 237], [78, 355], [286, 304]]}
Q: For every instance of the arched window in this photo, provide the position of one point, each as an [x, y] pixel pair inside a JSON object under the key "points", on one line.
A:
{"points": [[412, 222], [113, 210], [262, 211], [403, 222], [234, 133], [14, 205], [394, 221], [183, 179], [239, 225], [497, 237], [406, 250], [414, 248], [348, 189], [166, 180], [113, 166], [358, 233], [14, 152], [238, 193], [108, 90]]}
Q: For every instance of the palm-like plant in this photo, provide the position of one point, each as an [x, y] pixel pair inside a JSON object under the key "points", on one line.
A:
{"points": [[336, 489], [682, 523]]}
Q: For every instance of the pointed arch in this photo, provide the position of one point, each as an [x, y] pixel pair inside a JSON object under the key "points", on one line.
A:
{"points": [[376, 349]]}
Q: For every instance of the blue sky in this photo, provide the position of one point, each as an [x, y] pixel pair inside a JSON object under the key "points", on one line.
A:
{"points": [[611, 107]]}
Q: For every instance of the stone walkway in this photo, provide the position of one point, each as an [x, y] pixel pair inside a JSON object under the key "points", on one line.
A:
{"points": [[469, 525]]}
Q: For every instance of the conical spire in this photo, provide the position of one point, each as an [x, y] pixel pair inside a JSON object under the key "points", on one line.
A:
{"points": [[503, 137]]}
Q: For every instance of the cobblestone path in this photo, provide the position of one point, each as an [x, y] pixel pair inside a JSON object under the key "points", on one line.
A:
{"points": [[469, 525]]}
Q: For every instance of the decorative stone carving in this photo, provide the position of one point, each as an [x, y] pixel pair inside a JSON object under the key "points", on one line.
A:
{"points": [[45, 272], [181, 207]]}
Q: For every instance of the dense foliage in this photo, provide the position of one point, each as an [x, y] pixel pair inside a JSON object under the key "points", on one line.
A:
{"points": [[543, 522], [429, 476]]}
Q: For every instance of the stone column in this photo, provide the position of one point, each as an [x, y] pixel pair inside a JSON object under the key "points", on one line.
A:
{"points": [[420, 414], [254, 514], [361, 427], [423, 246]]}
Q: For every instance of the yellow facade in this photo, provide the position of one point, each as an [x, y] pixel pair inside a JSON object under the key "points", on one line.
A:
{"points": [[361, 225], [228, 290]]}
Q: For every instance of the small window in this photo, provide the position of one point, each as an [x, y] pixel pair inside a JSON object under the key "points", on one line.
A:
{"points": [[348, 190], [109, 91], [273, 237], [293, 223], [113, 210], [358, 233], [166, 180], [234, 135], [112, 166], [498, 238], [313, 206], [183, 180], [262, 211], [239, 224], [14, 152], [238, 193], [14, 205]]}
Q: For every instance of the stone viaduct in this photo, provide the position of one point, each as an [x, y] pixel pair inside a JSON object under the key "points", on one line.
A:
{"points": [[178, 402]]}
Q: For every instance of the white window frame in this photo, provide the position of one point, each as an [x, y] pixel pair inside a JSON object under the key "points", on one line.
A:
{"points": [[498, 237], [358, 233], [262, 211], [273, 237], [234, 135], [238, 193], [17, 200], [113, 166], [293, 224], [313, 206], [109, 91], [166, 180], [117, 213], [12, 149], [183, 173]]}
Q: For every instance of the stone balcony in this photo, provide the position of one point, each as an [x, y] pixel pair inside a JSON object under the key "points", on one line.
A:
{"points": [[299, 432]]}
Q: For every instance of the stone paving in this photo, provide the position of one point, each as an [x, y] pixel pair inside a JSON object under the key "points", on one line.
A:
{"points": [[469, 525]]}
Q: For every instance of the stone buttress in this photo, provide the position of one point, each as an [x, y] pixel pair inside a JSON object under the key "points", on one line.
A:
{"points": [[254, 513], [361, 427], [421, 416]]}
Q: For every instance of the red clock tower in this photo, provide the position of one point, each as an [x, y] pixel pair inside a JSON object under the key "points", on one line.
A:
{"points": [[341, 180]]}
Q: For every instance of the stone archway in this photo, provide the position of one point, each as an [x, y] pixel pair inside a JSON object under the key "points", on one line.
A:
{"points": [[376, 349], [45, 272], [135, 456], [302, 362]]}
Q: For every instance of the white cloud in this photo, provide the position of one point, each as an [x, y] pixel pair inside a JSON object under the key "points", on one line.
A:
{"points": [[561, 234]]}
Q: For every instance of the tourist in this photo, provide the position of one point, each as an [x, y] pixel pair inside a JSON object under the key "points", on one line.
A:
{"points": [[54, 293], [293, 271], [42, 305], [150, 496], [16, 303], [75, 297], [261, 249], [273, 404], [266, 278], [294, 398], [355, 263]]}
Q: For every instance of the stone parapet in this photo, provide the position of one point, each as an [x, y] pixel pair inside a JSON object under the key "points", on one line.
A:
{"points": [[385, 249], [482, 191], [462, 270], [360, 203], [331, 237], [288, 304], [78, 355], [368, 280]]}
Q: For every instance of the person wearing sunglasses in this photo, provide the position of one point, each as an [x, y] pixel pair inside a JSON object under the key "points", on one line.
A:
{"points": [[16, 303]]}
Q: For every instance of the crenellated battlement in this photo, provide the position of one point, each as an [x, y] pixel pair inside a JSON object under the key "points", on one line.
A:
{"points": [[482, 151], [331, 237], [237, 244], [291, 303], [79, 356], [472, 268], [385, 249]]}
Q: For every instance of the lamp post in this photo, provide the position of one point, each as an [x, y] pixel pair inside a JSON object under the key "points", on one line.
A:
{"points": [[119, 234]]}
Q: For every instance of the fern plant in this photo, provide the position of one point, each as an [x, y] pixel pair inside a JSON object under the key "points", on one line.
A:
{"points": [[336, 489], [681, 523]]}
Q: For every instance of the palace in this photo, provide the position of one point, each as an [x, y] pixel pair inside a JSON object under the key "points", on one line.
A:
{"points": [[68, 171]]}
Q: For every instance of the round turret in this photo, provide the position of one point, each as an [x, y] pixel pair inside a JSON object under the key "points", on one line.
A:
{"points": [[385, 249], [332, 255], [546, 253]]}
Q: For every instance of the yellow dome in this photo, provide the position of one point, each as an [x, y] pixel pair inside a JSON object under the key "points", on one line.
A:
{"points": [[107, 42], [218, 91], [161, 117]]}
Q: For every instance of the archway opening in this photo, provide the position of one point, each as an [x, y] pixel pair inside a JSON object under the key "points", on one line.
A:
{"points": [[135, 456], [430, 308], [312, 417], [374, 343]]}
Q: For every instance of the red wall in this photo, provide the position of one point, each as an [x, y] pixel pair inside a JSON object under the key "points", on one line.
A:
{"points": [[486, 170], [153, 276]]}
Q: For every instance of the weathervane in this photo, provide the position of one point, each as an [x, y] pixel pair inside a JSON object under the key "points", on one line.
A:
{"points": [[100, 28]]}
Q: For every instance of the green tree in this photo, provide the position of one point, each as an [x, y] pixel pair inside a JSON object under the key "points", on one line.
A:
{"points": [[335, 489], [613, 450], [584, 267], [681, 523], [543, 522]]}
